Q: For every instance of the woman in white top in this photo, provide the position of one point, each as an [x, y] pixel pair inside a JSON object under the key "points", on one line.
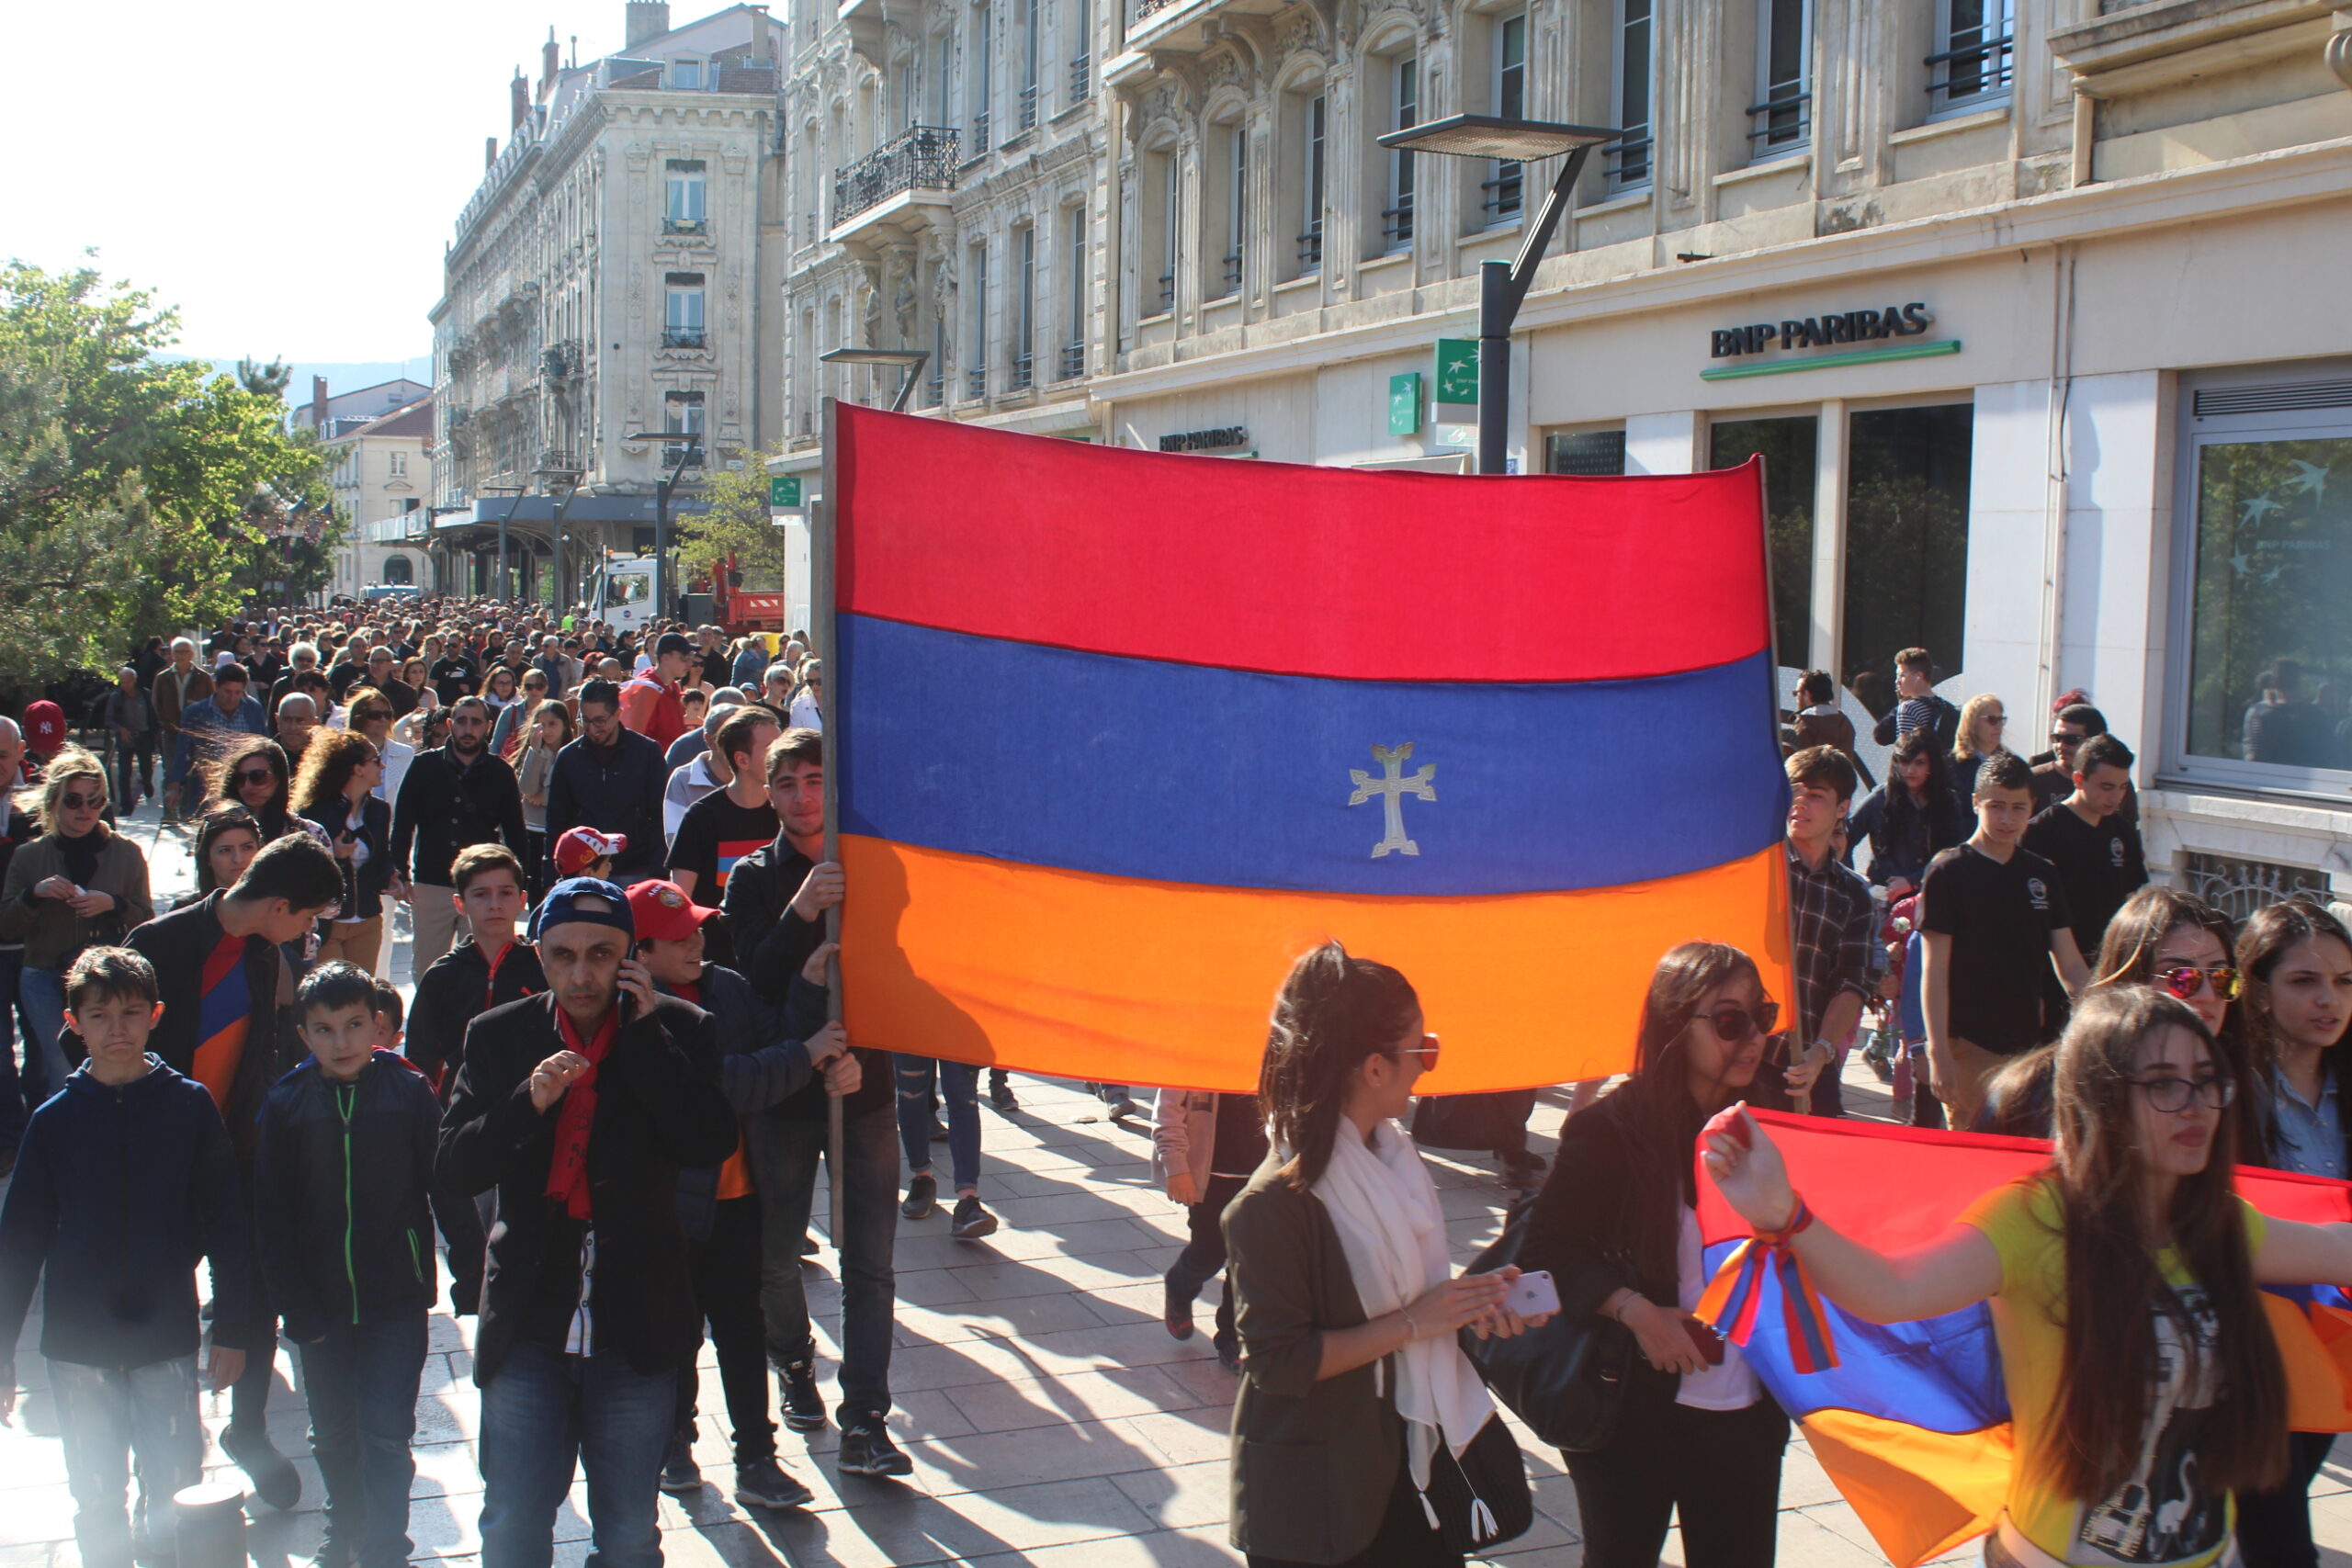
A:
{"points": [[806, 696]]}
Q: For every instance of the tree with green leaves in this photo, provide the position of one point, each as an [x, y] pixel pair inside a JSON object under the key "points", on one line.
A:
{"points": [[735, 519], [264, 380], [137, 496]]}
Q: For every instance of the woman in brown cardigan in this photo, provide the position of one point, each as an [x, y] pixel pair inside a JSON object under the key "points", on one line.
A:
{"points": [[1346, 1303], [79, 884]]}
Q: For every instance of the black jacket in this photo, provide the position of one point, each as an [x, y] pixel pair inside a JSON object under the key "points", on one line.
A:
{"points": [[456, 988], [340, 1210], [771, 946], [614, 789], [363, 886], [443, 809], [118, 1192], [177, 944], [659, 1110], [761, 1062]]}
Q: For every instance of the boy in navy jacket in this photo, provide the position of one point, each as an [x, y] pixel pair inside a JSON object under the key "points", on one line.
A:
{"points": [[124, 1181], [345, 1231]]}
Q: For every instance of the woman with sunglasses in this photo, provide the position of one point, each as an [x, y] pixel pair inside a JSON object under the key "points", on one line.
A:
{"points": [[1617, 1226], [336, 796], [2296, 960], [2144, 1383], [256, 777], [1983, 722], [808, 695], [371, 715], [516, 717], [79, 884], [1344, 1297]]}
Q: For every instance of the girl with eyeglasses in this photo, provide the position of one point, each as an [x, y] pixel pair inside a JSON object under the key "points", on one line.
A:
{"points": [[1355, 1392], [79, 884], [1617, 1226], [2296, 960], [2144, 1385]]}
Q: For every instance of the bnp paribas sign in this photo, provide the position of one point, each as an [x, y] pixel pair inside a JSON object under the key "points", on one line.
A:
{"points": [[1864, 336]]}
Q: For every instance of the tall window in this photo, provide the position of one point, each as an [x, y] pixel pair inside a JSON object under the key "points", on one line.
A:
{"points": [[1031, 49], [686, 74], [1782, 111], [1024, 310], [397, 466], [1405, 111], [975, 375], [1074, 339], [681, 327], [686, 213], [943, 79], [983, 95], [1226, 203], [1506, 183], [1791, 450], [1310, 240], [1171, 197], [682, 414], [1629, 155], [1907, 543], [1975, 54], [1081, 47]]}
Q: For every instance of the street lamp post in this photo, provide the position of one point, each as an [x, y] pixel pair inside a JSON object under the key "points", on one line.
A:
{"points": [[506, 517], [1502, 286], [911, 360], [689, 443]]}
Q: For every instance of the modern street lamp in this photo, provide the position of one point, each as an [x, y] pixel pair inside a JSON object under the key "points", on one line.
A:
{"points": [[559, 474], [1502, 286], [910, 359], [689, 443]]}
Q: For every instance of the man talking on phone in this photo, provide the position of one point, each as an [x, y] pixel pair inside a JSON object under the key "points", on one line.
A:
{"points": [[579, 1106]]}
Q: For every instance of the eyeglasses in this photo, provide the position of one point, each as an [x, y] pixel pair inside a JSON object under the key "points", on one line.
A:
{"points": [[73, 802], [2066, 738], [2184, 980], [2174, 1094], [371, 715], [256, 776], [1425, 1051], [1734, 1025], [1996, 718]]}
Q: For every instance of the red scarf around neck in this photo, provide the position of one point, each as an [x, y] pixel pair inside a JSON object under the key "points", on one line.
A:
{"points": [[576, 1118]]}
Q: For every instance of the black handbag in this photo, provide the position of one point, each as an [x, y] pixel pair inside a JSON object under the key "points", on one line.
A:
{"points": [[1482, 1497], [1566, 1379], [1480, 1122]]}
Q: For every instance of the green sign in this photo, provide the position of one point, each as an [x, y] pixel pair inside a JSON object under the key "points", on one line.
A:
{"points": [[1457, 370], [1405, 403], [784, 489]]}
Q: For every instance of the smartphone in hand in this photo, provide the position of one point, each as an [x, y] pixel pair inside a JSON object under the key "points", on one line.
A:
{"points": [[1533, 1295], [1703, 1336]]}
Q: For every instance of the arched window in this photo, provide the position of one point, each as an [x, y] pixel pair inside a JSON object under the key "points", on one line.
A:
{"points": [[398, 571]]}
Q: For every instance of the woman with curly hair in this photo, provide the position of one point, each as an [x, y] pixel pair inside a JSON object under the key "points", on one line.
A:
{"points": [[336, 793]]}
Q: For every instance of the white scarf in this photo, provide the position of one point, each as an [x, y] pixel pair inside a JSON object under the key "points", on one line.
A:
{"points": [[1385, 1208]]}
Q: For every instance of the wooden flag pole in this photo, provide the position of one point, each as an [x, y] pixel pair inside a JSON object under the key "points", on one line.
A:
{"points": [[820, 612]]}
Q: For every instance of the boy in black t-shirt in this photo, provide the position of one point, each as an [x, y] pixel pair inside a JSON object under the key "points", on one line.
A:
{"points": [[2097, 853], [1993, 917], [726, 825]]}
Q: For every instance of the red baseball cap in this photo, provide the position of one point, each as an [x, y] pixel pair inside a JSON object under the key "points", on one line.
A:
{"points": [[662, 912], [44, 726], [577, 849]]}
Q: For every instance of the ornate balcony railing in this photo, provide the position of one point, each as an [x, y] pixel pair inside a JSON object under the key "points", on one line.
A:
{"points": [[683, 337], [921, 159]]}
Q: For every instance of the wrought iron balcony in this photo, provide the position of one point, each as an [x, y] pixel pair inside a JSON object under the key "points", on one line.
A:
{"points": [[921, 159], [684, 226], [683, 337], [1023, 373], [1973, 69], [560, 361]]}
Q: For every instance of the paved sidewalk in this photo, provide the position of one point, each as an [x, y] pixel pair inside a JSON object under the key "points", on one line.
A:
{"points": [[1051, 1418]]}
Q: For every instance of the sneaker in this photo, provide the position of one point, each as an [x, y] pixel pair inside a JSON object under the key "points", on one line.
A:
{"points": [[970, 1222], [1177, 1309], [275, 1481], [922, 1197], [767, 1484], [804, 1407], [1000, 1093], [866, 1449], [679, 1471]]}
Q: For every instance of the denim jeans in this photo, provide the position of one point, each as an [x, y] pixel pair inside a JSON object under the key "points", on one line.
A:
{"points": [[959, 1086], [361, 1381], [109, 1416], [546, 1413], [1205, 1254], [12, 1088], [785, 1152], [43, 993]]}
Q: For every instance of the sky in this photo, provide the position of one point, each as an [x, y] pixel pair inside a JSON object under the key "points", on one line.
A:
{"points": [[286, 172]]}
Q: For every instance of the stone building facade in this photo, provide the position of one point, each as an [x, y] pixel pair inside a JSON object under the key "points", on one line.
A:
{"points": [[381, 470]]}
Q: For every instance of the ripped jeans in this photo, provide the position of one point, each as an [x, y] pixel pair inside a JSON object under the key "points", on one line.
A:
{"points": [[110, 1418], [959, 1088]]}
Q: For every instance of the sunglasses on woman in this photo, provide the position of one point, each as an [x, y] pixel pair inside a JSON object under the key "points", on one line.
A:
{"points": [[2174, 1094], [256, 776], [71, 801], [1425, 1051], [1734, 1024], [2184, 980], [371, 715]]}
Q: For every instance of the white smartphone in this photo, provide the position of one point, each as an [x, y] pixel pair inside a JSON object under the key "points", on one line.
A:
{"points": [[1533, 1295]]}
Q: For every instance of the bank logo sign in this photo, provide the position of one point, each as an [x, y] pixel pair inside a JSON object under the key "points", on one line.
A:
{"points": [[1864, 336]]}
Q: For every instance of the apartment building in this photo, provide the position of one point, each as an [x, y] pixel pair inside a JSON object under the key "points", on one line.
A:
{"points": [[381, 471]]}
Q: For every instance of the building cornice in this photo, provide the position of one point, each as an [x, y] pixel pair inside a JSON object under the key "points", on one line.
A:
{"points": [[2233, 188]]}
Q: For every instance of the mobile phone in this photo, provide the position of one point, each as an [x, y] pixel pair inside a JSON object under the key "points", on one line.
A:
{"points": [[1533, 1295], [1708, 1342]]}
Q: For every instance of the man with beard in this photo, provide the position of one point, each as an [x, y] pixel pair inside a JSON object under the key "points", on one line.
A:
{"points": [[454, 795]]}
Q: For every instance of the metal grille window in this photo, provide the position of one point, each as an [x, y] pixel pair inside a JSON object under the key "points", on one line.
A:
{"points": [[1781, 114], [983, 95], [1629, 156], [1081, 51], [1502, 193], [1396, 226], [686, 213], [1171, 225], [1975, 55], [976, 376], [1074, 344], [2238, 887], [1587, 453], [1025, 313], [1031, 49], [1235, 138], [1310, 243], [682, 328]]}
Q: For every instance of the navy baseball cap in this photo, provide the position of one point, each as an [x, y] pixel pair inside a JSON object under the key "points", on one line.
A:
{"points": [[586, 898], [674, 642]]}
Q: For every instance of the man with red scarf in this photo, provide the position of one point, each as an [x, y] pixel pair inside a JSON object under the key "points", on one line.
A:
{"points": [[579, 1106]]}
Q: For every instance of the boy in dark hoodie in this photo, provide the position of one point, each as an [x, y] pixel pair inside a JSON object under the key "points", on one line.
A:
{"points": [[489, 968], [345, 1231], [124, 1181]]}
